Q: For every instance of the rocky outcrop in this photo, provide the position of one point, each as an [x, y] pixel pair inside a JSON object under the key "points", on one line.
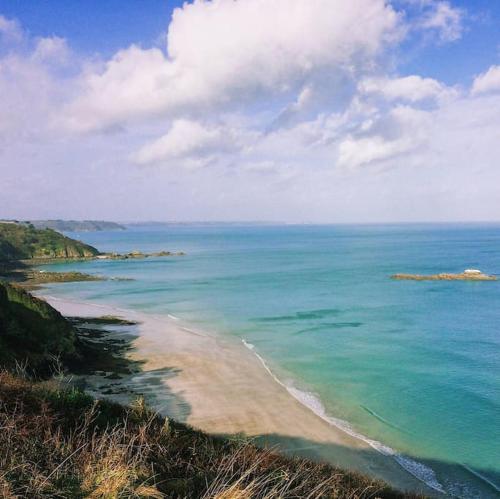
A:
{"points": [[463, 276], [137, 254]]}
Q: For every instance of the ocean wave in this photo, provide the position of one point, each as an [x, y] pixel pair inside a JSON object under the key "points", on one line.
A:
{"points": [[419, 470], [481, 477], [383, 420]]}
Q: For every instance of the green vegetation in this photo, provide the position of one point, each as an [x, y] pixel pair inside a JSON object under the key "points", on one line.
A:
{"points": [[43, 277], [32, 332], [77, 225], [59, 442], [37, 338], [24, 242]]}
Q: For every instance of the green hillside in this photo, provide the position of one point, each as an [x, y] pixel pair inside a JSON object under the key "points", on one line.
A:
{"points": [[24, 241], [31, 331]]}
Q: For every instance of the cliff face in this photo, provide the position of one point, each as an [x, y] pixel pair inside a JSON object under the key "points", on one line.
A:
{"points": [[23, 241], [32, 331]]}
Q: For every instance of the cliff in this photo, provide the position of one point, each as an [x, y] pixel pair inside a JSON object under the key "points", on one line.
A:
{"points": [[32, 332]]}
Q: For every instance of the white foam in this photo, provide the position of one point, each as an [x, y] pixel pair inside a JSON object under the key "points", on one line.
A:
{"points": [[248, 345], [312, 402]]}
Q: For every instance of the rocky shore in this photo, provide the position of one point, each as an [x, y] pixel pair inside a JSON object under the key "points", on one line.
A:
{"points": [[136, 254]]}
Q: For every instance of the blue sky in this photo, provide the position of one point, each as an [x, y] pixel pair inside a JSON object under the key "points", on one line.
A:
{"points": [[458, 62], [297, 110], [93, 25]]}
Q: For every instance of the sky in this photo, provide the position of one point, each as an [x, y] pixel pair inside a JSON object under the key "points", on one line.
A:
{"points": [[321, 111]]}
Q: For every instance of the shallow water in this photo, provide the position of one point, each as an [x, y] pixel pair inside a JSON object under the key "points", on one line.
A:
{"points": [[413, 365]]}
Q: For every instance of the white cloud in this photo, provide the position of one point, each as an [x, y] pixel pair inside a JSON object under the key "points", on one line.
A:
{"points": [[229, 43], [133, 83], [487, 82], [223, 53], [401, 131], [412, 88], [51, 49], [188, 139], [444, 18]]}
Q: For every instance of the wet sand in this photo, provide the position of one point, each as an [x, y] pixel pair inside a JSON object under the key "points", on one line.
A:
{"points": [[221, 387]]}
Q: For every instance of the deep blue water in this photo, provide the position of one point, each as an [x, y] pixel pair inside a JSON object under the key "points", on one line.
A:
{"points": [[414, 365]]}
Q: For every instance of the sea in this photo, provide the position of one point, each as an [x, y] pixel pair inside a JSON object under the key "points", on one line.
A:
{"points": [[412, 367]]}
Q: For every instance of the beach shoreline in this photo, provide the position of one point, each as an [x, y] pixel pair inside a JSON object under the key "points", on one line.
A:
{"points": [[225, 387]]}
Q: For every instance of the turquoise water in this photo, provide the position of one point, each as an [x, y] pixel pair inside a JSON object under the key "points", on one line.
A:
{"points": [[413, 365]]}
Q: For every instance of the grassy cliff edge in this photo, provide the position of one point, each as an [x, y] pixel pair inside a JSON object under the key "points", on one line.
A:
{"points": [[59, 442], [25, 242], [32, 332]]}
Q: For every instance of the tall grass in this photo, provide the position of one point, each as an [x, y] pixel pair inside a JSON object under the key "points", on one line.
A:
{"points": [[61, 443]]}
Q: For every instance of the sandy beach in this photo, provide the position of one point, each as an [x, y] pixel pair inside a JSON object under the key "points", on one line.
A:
{"points": [[222, 387]]}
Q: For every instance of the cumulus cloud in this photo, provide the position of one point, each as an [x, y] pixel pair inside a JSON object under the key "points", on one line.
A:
{"points": [[189, 139], [487, 82], [133, 83], [223, 53]]}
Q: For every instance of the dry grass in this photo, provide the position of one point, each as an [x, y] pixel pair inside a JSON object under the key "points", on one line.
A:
{"points": [[63, 444]]}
